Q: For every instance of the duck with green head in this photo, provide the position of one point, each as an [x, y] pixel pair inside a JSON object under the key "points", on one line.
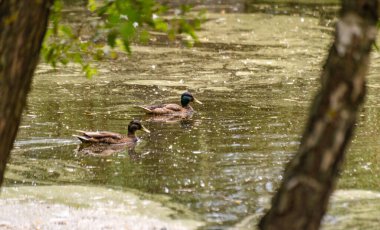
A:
{"points": [[105, 137], [173, 109]]}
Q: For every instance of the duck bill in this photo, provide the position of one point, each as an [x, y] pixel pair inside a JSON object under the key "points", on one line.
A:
{"points": [[145, 129], [197, 101]]}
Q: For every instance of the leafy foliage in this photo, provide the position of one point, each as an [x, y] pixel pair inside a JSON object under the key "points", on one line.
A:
{"points": [[111, 26]]}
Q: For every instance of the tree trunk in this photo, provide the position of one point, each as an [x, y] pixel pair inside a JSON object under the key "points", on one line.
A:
{"points": [[23, 25], [309, 179]]}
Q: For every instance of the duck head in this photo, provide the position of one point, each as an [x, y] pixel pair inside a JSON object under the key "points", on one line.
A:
{"points": [[186, 98], [136, 125]]}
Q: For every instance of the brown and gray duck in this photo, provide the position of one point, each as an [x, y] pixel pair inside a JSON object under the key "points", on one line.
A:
{"points": [[105, 137], [173, 109]]}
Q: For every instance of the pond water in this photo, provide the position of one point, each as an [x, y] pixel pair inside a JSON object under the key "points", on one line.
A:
{"points": [[254, 72]]}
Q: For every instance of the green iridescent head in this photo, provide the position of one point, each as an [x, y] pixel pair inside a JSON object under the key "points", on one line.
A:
{"points": [[187, 97]]}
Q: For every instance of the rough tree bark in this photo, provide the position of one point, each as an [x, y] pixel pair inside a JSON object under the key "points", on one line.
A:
{"points": [[303, 196], [22, 28]]}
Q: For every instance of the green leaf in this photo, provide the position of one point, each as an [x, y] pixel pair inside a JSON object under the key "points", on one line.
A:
{"points": [[76, 57], [114, 19], [127, 46], [111, 38], [89, 71], [64, 43], [144, 36], [161, 25], [103, 9], [67, 31], [64, 61], [91, 5], [185, 9], [127, 31]]}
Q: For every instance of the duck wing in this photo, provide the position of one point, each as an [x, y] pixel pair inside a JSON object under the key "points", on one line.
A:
{"points": [[173, 107], [162, 109], [100, 134]]}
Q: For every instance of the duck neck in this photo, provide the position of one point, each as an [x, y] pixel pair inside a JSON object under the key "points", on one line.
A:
{"points": [[184, 105], [185, 102], [131, 134], [132, 137], [187, 107]]}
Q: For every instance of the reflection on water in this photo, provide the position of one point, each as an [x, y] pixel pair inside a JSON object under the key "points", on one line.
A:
{"points": [[254, 73], [104, 150]]}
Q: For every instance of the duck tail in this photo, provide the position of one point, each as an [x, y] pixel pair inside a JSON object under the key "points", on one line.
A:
{"points": [[82, 139], [80, 131], [147, 109]]}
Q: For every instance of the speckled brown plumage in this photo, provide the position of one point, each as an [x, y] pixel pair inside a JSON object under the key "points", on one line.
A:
{"points": [[105, 137], [173, 109]]}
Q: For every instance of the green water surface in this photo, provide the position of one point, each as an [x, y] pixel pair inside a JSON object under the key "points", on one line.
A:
{"points": [[255, 72]]}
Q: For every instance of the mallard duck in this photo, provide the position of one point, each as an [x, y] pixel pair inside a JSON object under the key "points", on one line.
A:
{"points": [[105, 137], [173, 109]]}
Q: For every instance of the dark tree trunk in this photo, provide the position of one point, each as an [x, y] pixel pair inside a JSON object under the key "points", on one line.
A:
{"points": [[309, 180], [22, 28]]}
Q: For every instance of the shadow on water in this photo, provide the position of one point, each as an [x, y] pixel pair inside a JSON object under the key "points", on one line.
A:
{"points": [[225, 161]]}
